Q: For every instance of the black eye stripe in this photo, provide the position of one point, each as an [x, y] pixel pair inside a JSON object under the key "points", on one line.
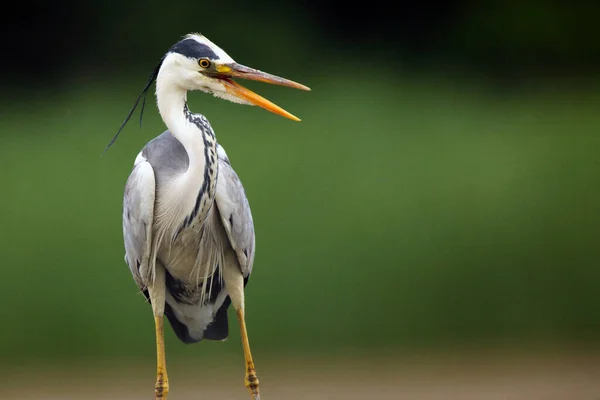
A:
{"points": [[193, 49]]}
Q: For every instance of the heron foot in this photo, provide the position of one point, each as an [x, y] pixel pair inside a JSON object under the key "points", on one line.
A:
{"points": [[161, 389], [251, 381]]}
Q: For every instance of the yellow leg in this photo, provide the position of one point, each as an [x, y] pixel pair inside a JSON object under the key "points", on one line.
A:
{"points": [[234, 282], [251, 378], [157, 297], [161, 389]]}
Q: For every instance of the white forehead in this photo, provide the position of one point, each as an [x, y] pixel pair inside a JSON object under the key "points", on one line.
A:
{"points": [[223, 57]]}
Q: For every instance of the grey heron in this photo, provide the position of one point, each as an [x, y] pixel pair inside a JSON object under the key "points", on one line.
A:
{"points": [[187, 225]]}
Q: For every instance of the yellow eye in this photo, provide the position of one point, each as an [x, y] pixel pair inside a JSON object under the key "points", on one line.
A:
{"points": [[204, 63]]}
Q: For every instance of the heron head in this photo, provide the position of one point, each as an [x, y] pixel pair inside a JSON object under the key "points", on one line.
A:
{"points": [[196, 63]]}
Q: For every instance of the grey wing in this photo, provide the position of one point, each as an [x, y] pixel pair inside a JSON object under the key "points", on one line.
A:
{"points": [[138, 216], [234, 210]]}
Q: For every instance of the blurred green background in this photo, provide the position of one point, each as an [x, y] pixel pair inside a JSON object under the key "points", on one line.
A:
{"points": [[441, 191]]}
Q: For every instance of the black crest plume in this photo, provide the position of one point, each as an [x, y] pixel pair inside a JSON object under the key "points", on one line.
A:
{"points": [[142, 97]]}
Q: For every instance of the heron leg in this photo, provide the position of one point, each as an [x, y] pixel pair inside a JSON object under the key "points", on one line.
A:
{"points": [[234, 282], [157, 296], [251, 379]]}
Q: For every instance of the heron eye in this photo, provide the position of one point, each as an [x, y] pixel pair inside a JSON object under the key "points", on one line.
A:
{"points": [[204, 63]]}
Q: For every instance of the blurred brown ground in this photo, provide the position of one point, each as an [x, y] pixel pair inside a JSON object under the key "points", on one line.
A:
{"points": [[480, 375]]}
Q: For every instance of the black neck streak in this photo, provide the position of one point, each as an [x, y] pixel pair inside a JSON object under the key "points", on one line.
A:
{"points": [[206, 193]]}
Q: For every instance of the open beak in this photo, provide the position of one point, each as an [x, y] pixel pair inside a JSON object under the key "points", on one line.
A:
{"points": [[227, 71]]}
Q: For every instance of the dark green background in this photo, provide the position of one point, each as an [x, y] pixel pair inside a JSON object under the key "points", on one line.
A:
{"points": [[441, 190]]}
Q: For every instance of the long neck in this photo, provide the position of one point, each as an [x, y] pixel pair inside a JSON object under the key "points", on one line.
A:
{"points": [[196, 136], [172, 106]]}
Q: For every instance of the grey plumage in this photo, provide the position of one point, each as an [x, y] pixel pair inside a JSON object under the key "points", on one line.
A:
{"points": [[187, 225], [192, 256]]}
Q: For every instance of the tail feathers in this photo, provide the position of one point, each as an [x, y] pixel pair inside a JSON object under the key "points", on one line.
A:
{"points": [[217, 330], [180, 329], [219, 327]]}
